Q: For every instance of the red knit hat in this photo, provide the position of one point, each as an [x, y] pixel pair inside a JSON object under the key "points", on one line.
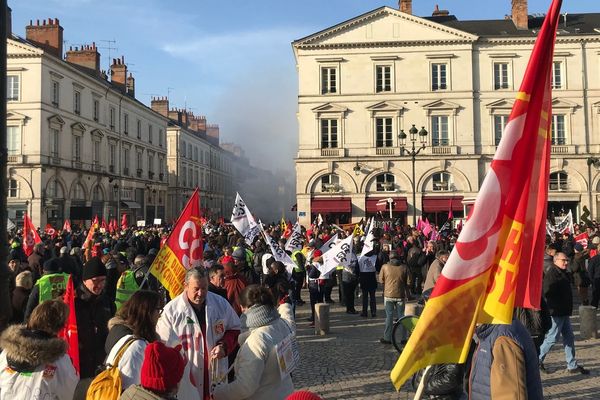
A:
{"points": [[317, 253], [303, 395], [162, 368]]}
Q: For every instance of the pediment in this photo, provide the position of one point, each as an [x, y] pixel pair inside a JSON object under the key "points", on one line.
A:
{"points": [[15, 116], [330, 108], [97, 133], [385, 106], [502, 103], [56, 119], [384, 24], [558, 103], [22, 48], [441, 105], [78, 126]]}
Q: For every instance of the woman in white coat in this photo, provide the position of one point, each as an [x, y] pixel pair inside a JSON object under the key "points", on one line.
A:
{"points": [[259, 373], [34, 363]]}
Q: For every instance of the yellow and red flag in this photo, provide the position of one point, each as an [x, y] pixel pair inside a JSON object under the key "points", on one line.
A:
{"points": [[69, 332], [182, 250], [497, 261], [30, 236], [89, 242]]}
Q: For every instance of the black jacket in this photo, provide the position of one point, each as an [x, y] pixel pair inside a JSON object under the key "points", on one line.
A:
{"points": [[557, 292], [594, 267]]}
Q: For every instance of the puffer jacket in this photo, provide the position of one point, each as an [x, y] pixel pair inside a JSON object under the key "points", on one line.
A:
{"points": [[33, 365], [442, 382]]}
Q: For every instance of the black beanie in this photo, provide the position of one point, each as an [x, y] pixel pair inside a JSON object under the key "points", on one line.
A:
{"points": [[93, 268], [51, 266]]}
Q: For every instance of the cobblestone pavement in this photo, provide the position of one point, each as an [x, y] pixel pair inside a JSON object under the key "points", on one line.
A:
{"points": [[350, 363]]}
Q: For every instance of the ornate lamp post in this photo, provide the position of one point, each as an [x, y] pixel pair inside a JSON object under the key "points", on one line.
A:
{"points": [[415, 135]]}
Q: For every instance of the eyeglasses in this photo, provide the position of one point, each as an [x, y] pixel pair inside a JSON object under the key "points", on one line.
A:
{"points": [[563, 259]]}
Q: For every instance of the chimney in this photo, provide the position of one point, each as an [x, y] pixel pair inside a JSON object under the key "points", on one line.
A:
{"points": [[405, 6], [130, 83], [193, 121], [202, 124], [439, 13], [118, 73], [519, 14], [8, 22], [48, 36], [160, 105], [87, 57], [212, 131]]}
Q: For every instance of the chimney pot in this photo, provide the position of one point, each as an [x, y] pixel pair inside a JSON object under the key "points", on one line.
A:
{"points": [[47, 36], [406, 6], [520, 15]]}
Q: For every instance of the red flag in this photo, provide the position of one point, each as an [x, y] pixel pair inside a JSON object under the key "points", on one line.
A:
{"points": [[497, 261], [50, 231], [459, 226], [95, 221], [583, 239], [30, 236], [103, 225], [89, 242], [67, 226], [450, 215], [182, 249], [124, 222], [69, 332]]}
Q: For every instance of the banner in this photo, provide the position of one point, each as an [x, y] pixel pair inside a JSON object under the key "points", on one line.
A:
{"points": [[367, 263], [278, 253], [497, 261], [253, 228], [67, 226], [182, 249], [50, 231], [244, 222], [329, 244], [296, 239], [124, 223], [564, 225], [30, 235], [337, 255], [69, 332]]}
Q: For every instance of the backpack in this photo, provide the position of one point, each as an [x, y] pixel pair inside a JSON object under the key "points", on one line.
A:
{"points": [[107, 384]]}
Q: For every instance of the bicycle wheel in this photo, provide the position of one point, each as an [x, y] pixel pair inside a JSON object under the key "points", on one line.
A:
{"points": [[405, 324]]}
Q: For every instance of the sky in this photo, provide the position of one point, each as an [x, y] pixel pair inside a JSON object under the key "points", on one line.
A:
{"points": [[229, 60]]}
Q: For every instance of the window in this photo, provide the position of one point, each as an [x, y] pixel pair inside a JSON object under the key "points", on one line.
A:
{"points": [[559, 181], [184, 175], [500, 122], [77, 148], [96, 152], [329, 133], [442, 182], [13, 139], [160, 138], [385, 183], [126, 124], [195, 153], [330, 183], [183, 147], [55, 144], [112, 154], [138, 160], [383, 132], [78, 192], [500, 75], [438, 76], [112, 117], [439, 130], [139, 129], [12, 88], [96, 110], [150, 134], [97, 194], [383, 78], [77, 102], [558, 130], [126, 161], [13, 188], [55, 93], [557, 81], [328, 80], [151, 163]]}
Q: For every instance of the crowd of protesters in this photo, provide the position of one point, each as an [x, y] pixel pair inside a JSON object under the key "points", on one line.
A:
{"points": [[236, 305]]}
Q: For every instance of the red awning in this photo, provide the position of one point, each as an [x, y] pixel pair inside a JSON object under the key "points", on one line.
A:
{"points": [[440, 204], [372, 207], [331, 205]]}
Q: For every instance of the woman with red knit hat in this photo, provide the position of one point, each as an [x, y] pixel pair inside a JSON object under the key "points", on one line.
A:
{"points": [[161, 373], [315, 285]]}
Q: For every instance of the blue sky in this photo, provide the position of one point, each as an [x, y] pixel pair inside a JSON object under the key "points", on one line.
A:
{"points": [[230, 60]]}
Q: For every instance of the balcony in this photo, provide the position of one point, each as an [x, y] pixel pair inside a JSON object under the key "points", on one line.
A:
{"points": [[161, 176], [96, 167], [111, 169], [126, 171], [139, 173], [441, 150], [150, 174], [77, 164], [330, 152], [561, 149], [54, 160], [384, 151], [15, 159]]}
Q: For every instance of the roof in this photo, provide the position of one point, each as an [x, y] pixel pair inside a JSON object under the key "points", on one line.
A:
{"points": [[572, 24]]}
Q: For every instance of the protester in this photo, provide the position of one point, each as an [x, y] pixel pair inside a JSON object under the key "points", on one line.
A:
{"points": [[216, 280], [349, 282], [23, 285], [51, 285], [34, 363], [206, 326], [314, 283], [234, 283], [435, 270], [257, 368], [394, 278], [581, 278]]}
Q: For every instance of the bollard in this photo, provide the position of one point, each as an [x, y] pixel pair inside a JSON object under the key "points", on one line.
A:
{"points": [[588, 327], [413, 308], [321, 319]]}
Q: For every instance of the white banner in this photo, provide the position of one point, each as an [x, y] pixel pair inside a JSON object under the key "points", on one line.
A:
{"points": [[10, 225], [562, 226], [337, 255], [368, 245], [296, 239], [367, 264], [239, 219], [253, 228], [329, 244], [278, 253]]}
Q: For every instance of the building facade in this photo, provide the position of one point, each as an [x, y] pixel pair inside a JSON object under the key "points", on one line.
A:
{"points": [[79, 144], [365, 82]]}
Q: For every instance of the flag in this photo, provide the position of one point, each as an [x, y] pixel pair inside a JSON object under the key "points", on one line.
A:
{"points": [[282, 224], [296, 239], [338, 255], [329, 244], [69, 332], [288, 230], [357, 231], [427, 229], [583, 239], [50, 231], [563, 226], [89, 242], [278, 253], [67, 226], [319, 220], [30, 235], [459, 227], [95, 222], [103, 226], [497, 261], [124, 222], [182, 249], [367, 263]]}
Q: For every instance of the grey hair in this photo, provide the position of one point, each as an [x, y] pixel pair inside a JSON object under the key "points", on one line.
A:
{"points": [[196, 273]]}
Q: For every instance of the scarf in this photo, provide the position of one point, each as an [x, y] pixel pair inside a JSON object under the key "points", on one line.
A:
{"points": [[259, 315]]}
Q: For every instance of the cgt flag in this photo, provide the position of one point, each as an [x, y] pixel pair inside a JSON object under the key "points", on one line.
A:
{"points": [[30, 235], [497, 261], [182, 250], [69, 332]]}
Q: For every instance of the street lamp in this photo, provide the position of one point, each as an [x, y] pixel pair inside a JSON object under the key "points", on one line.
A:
{"points": [[415, 135], [117, 197]]}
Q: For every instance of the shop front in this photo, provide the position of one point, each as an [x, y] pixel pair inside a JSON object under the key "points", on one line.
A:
{"points": [[334, 210]]}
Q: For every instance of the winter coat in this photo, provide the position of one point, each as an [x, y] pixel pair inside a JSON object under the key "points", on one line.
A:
{"points": [[19, 301], [537, 322], [33, 365], [557, 292], [35, 261], [394, 278], [136, 392], [594, 267], [130, 364], [443, 381], [435, 270], [257, 374], [580, 274]]}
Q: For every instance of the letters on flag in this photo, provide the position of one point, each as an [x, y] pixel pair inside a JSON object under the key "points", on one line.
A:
{"points": [[296, 239], [497, 261], [367, 263], [278, 253], [329, 244], [244, 222], [564, 225], [30, 235], [50, 231], [182, 250], [337, 255]]}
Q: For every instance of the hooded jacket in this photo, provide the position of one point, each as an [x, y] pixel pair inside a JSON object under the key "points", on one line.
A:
{"points": [[33, 365]]}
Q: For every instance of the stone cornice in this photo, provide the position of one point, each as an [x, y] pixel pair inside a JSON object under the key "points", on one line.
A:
{"points": [[396, 44]]}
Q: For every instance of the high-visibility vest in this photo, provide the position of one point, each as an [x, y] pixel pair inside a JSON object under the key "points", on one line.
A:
{"points": [[297, 267], [126, 287], [52, 285], [249, 255]]}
